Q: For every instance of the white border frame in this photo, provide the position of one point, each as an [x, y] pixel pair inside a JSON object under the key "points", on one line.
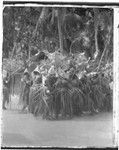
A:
{"points": [[115, 50]]}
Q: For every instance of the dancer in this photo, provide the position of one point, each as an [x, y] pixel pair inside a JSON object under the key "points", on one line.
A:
{"points": [[6, 82], [27, 84]]}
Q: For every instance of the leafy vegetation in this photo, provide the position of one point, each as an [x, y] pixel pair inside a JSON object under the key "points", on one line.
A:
{"points": [[73, 46]]}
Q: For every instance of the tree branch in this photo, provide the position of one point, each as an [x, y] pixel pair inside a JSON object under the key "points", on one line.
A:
{"points": [[106, 45]]}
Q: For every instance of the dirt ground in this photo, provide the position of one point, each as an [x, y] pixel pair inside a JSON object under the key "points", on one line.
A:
{"points": [[26, 130]]}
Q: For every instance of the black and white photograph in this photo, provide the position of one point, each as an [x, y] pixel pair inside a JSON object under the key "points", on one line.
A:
{"points": [[57, 76]]}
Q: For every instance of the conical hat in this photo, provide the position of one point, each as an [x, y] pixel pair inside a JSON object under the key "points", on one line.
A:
{"points": [[26, 71], [36, 69]]}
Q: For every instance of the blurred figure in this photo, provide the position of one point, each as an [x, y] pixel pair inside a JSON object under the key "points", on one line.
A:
{"points": [[26, 90], [6, 82], [37, 78], [37, 83]]}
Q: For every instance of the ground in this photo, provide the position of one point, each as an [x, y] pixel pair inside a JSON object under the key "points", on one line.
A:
{"points": [[26, 130]]}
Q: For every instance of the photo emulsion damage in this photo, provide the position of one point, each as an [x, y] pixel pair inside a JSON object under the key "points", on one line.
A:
{"points": [[57, 68]]}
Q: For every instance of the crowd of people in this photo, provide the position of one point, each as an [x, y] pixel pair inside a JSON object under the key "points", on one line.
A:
{"points": [[53, 95], [30, 82]]}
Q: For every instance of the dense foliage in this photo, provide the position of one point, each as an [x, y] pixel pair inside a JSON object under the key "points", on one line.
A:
{"points": [[73, 49], [73, 92], [36, 28]]}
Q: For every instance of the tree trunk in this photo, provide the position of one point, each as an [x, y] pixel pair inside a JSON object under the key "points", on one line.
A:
{"points": [[14, 49], [96, 22], [59, 15], [105, 49], [42, 17]]}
